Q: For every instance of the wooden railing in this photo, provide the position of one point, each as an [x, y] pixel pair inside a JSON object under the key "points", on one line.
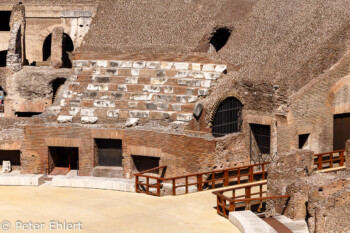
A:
{"points": [[211, 179], [329, 159], [254, 194], [150, 181]]}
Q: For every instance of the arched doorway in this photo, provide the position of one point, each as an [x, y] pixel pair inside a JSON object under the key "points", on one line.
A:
{"points": [[67, 49]]}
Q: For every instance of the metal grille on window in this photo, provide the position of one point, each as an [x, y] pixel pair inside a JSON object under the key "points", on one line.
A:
{"points": [[262, 136], [228, 117]]}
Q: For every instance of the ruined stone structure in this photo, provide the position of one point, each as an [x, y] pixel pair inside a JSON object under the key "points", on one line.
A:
{"points": [[123, 76], [194, 85], [321, 199]]}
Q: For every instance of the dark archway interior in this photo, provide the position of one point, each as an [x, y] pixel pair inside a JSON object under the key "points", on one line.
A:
{"points": [[5, 20], [47, 48], [3, 55], [63, 157], [220, 38], [67, 49], [56, 85]]}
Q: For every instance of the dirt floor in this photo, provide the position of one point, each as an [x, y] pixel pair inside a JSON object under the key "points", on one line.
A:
{"points": [[107, 211]]}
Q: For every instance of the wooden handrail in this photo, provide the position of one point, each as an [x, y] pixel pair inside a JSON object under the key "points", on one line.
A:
{"points": [[239, 187], [151, 170], [260, 198], [326, 153], [227, 204], [249, 172], [329, 158], [217, 171]]}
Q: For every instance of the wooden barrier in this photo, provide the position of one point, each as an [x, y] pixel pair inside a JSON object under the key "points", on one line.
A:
{"points": [[227, 204], [210, 179], [329, 159]]}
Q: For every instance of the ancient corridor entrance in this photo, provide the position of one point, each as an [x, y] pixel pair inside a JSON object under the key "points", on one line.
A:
{"points": [[109, 152], [143, 163], [341, 130], [67, 49], [14, 156], [62, 160]]}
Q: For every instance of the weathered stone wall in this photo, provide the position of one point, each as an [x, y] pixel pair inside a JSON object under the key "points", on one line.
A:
{"points": [[312, 109], [284, 171], [31, 90], [112, 91], [322, 199]]}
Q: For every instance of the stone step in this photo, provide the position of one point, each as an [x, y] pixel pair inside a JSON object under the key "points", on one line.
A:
{"points": [[43, 63], [296, 226], [106, 171], [248, 222], [137, 88], [129, 96]]}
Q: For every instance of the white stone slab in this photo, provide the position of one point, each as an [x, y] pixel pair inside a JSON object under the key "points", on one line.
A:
{"points": [[21, 180], [118, 184], [248, 222]]}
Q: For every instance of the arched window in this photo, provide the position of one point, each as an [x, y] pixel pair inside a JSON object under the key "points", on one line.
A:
{"points": [[228, 117]]}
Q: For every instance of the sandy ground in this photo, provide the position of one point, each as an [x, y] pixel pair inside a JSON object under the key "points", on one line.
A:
{"points": [[109, 211]]}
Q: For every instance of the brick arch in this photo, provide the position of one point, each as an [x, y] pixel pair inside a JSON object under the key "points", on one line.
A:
{"points": [[214, 108], [332, 93], [47, 31]]}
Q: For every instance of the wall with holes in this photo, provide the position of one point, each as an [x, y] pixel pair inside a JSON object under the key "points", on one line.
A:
{"points": [[136, 92]]}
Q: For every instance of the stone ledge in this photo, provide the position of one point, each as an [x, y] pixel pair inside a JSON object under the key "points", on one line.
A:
{"points": [[117, 184], [21, 180]]}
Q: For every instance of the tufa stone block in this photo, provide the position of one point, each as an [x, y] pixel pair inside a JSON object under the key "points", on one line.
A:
{"points": [[131, 122], [113, 113], [88, 120]]}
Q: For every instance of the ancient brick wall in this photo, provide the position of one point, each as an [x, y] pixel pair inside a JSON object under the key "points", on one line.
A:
{"points": [[181, 153], [312, 110]]}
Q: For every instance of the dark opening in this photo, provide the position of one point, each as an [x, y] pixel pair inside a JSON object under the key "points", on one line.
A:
{"points": [[228, 117], [109, 152], [27, 114], [302, 140], [14, 156], [143, 163], [2, 99], [262, 136], [56, 85], [341, 130], [67, 49], [3, 55], [47, 48], [220, 38], [5, 20], [63, 157]]}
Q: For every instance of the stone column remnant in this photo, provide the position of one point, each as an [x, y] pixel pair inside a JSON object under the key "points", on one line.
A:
{"points": [[56, 47]]}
